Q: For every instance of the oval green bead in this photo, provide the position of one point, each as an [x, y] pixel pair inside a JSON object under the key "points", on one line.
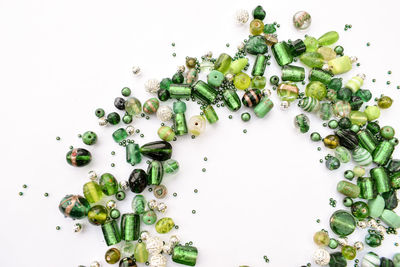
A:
{"points": [[312, 59], [166, 133], [92, 192], [343, 154], [360, 210], [348, 189], [151, 105], [78, 157], [97, 215], [74, 206], [139, 204], [133, 106], [372, 112], [164, 225], [108, 184], [328, 38], [358, 118]]}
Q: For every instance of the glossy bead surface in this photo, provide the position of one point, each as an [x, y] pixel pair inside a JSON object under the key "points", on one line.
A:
{"points": [[139, 204], [196, 125], [155, 173], [251, 97], [215, 78], [258, 82], [242, 81], [140, 252], [256, 27], [133, 155], [263, 107], [255, 45], [119, 135], [287, 92], [138, 181], [186, 255], [166, 133], [164, 225], [111, 232], [245, 116], [332, 163], [130, 226], [282, 53], [370, 259], [302, 122], [108, 184], [259, 13], [372, 112], [337, 260], [74, 206], [92, 192], [210, 114], [293, 73], [113, 118], [133, 106], [151, 105], [362, 157], [360, 210], [382, 153], [373, 240], [149, 217], [231, 99], [325, 111], [78, 157], [158, 150], [171, 166], [385, 102], [309, 104], [112, 256], [331, 141], [97, 215], [347, 138], [127, 262], [312, 59], [321, 238], [387, 132], [342, 223], [343, 154], [341, 109], [204, 92], [316, 90], [301, 20], [376, 206], [223, 63], [315, 137], [349, 252], [89, 138]]}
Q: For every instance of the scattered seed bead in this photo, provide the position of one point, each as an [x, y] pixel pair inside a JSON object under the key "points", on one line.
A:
{"points": [[113, 153], [173, 44], [205, 158], [368, 44], [21, 193], [58, 228], [196, 191], [227, 45], [58, 138], [318, 220], [389, 72], [193, 211], [388, 82], [46, 194], [244, 131], [24, 186], [373, 80], [174, 194], [230, 117], [112, 164], [174, 54], [203, 170]]}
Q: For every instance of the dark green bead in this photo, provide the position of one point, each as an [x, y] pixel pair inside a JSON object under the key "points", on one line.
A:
{"points": [[356, 103], [344, 123], [158, 150], [335, 84], [113, 118], [256, 45], [337, 260], [137, 181], [348, 202], [360, 210], [165, 83], [269, 28], [178, 78], [347, 138], [259, 13], [332, 163], [385, 262], [74, 206], [339, 50], [163, 94], [99, 112], [155, 173], [344, 94], [391, 200], [108, 184], [78, 157], [373, 240], [364, 94], [126, 91], [89, 138], [245, 116]]}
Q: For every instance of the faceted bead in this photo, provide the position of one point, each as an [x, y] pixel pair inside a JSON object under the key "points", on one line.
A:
{"points": [[155, 173], [127, 262], [133, 155], [372, 112], [149, 217], [332, 163], [215, 78], [370, 260], [242, 81], [171, 166], [288, 92], [186, 255], [365, 95], [251, 97], [178, 78], [164, 225], [331, 141], [376, 206], [113, 118], [343, 154], [385, 102], [258, 82], [165, 83], [97, 215], [335, 84], [259, 13], [89, 138], [316, 89], [342, 223], [92, 192], [301, 20], [166, 133], [158, 150], [196, 125], [138, 180], [321, 238], [328, 38], [139, 204], [349, 252], [151, 105], [358, 117], [256, 27], [140, 252], [312, 59], [78, 157], [112, 256], [223, 63], [133, 106], [302, 122], [119, 135], [163, 94], [337, 260], [373, 240], [360, 210], [348, 189], [256, 45], [74, 206], [108, 184]]}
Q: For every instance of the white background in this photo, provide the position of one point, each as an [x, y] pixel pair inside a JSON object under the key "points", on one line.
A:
{"points": [[263, 191]]}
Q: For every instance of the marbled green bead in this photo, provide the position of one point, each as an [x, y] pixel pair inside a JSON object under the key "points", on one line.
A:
{"points": [[370, 260], [130, 226], [362, 157], [179, 107], [165, 83], [108, 184], [133, 155], [302, 122], [332, 163], [111, 233], [312, 59], [282, 53], [269, 28], [140, 252], [328, 38], [97, 215], [343, 154], [151, 105], [373, 240], [119, 135], [349, 252], [139, 204], [367, 187], [186, 255], [256, 45], [178, 78], [166, 133], [391, 218], [333, 243], [113, 118], [263, 107], [164, 225], [381, 179], [149, 217], [163, 95], [348, 189], [360, 210], [344, 94], [258, 82], [89, 138], [298, 47], [342, 223], [215, 78], [376, 206], [391, 201], [311, 43], [133, 106], [315, 137], [337, 260], [396, 260], [127, 118], [126, 91], [364, 94], [74, 206], [316, 90], [92, 192], [309, 104], [170, 166], [223, 63], [385, 262], [78, 157], [231, 99], [155, 173]]}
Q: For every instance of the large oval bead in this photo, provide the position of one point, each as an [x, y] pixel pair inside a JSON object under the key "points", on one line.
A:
{"points": [[158, 150], [151, 106], [108, 184], [362, 157], [138, 181], [347, 138], [164, 225]]}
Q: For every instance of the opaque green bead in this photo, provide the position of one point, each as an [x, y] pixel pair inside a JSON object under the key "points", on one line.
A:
{"points": [[376, 206], [333, 124], [342, 223], [333, 243], [315, 137], [387, 132], [360, 210], [115, 214], [349, 252], [108, 184], [245, 116], [139, 204], [349, 174], [223, 63], [126, 91], [113, 118], [358, 118], [140, 252], [328, 38], [99, 113], [215, 78], [120, 195], [166, 133], [348, 189], [151, 105], [391, 218], [164, 225], [316, 90], [258, 82], [89, 138], [263, 107], [259, 13], [149, 217], [371, 260], [238, 65], [372, 112], [347, 202], [92, 192], [396, 260], [127, 118], [242, 81], [255, 45], [97, 215]]}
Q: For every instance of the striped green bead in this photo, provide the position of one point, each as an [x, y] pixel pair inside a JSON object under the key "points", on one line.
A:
{"points": [[367, 187], [309, 104], [178, 91], [155, 173], [130, 226], [382, 153], [362, 157], [367, 140], [320, 75], [151, 105], [78, 157], [341, 109], [293, 73], [381, 179], [287, 92], [133, 155], [166, 133], [251, 97]]}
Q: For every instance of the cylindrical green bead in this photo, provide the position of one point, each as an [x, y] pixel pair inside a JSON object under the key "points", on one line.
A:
{"points": [[367, 140], [210, 114], [92, 192], [382, 153], [178, 91], [133, 155], [348, 189], [204, 92], [293, 73], [231, 99], [282, 54], [180, 124], [186, 255], [259, 65], [367, 187], [381, 179], [130, 226], [263, 107], [395, 180], [111, 233], [322, 76], [155, 173], [108, 184], [223, 63]]}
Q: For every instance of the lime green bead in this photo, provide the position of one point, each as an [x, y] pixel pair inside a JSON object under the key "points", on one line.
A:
{"points": [[311, 44], [349, 252], [321, 238], [316, 90], [141, 253], [256, 27], [258, 82], [242, 81], [166, 133], [328, 38], [385, 102], [287, 92], [340, 65], [315, 137], [327, 53], [97, 215], [223, 63], [92, 192], [312, 59], [108, 184], [358, 118], [387, 132], [372, 112], [238, 65], [164, 225]]}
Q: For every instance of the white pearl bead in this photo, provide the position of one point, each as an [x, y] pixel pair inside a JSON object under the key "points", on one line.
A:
{"points": [[321, 257], [152, 86], [103, 121], [359, 245], [164, 113], [242, 16], [196, 125], [144, 235], [130, 129]]}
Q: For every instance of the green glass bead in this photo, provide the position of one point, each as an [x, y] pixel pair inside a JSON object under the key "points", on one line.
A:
{"points": [[297, 47], [376, 206], [315, 137], [371, 260], [320, 75], [358, 118], [360, 210], [259, 65], [127, 118], [282, 53], [120, 195], [349, 174], [223, 63], [396, 260], [186, 255], [166, 133], [381, 179], [126, 91], [127, 262], [119, 135], [113, 118], [391, 200], [311, 44], [383, 152], [394, 141], [231, 99], [373, 240], [133, 106], [333, 243], [130, 226], [337, 260], [151, 105], [99, 113], [325, 111], [384, 102], [170, 166], [347, 202], [242, 81], [111, 232], [339, 49], [256, 27], [332, 163], [163, 95], [155, 173], [331, 141], [92, 192], [140, 252], [179, 107], [387, 132], [112, 256], [367, 187], [89, 138], [115, 214], [274, 80], [78, 157], [263, 107], [348, 189], [74, 206], [385, 262], [309, 104], [139, 204], [355, 128], [258, 82], [321, 238], [316, 90], [343, 154], [367, 140], [287, 92], [108, 184], [342, 223], [395, 180], [364, 94], [128, 248], [191, 76], [293, 73], [302, 122], [210, 114], [333, 124], [256, 45], [215, 78], [335, 84], [164, 225], [149, 217], [344, 94], [340, 65], [259, 13], [327, 52], [158, 150], [328, 38], [312, 59], [372, 112], [349, 252], [97, 215], [238, 65], [245, 116], [269, 28], [204, 92], [133, 155], [165, 83], [391, 218], [178, 78]]}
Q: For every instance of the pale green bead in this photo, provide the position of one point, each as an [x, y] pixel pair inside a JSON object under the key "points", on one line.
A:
{"points": [[372, 112], [141, 253], [376, 206], [164, 225], [358, 118], [343, 154]]}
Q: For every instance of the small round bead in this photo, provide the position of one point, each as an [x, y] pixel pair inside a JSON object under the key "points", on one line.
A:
{"points": [[89, 138], [245, 116], [120, 195], [99, 112], [321, 238], [347, 202], [126, 91], [115, 214], [274, 80]]}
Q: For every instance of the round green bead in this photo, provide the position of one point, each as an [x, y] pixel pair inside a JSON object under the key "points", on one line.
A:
{"points": [[344, 94], [349, 174], [165, 83], [245, 116], [149, 217], [349, 252], [333, 243], [342, 223], [120, 195], [97, 215], [316, 89], [333, 124], [163, 94], [355, 128], [344, 123], [372, 112], [99, 112], [315, 137], [215, 78], [242, 81], [387, 132], [274, 80], [373, 240], [360, 210], [394, 141], [338, 49], [115, 214], [126, 91], [258, 82], [89, 138], [127, 118], [259, 13], [108, 184], [178, 78], [332, 163], [113, 118], [348, 202]]}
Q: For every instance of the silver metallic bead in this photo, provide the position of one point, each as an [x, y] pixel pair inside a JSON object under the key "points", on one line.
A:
{"points": [[164, 113], [359, 245], [229, 77], [130, 129], [321, 257], [152, 204], [174, 240], [158, 260], [136, 70], [353, 59], [95, 264], [111, 204], [267, 92], [240, 46], [92, 175], [285, 105], [167, 248], [124, 185], [242, 16], [381, 229], [144, 235], [77, 227], [161, 207], [154, 245], [372, 223], [152, 86], [103, 121], [362, 76], [209, 54], [362, 224], [181, 68], [343, 241]]}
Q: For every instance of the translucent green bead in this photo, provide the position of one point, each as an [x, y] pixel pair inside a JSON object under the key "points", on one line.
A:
{"points": [[302, 122], [358, 118], [170, 166], [342, 223], [139, 204], [237, 66], [373, 240], [92, 192], [140, 252], [164, 225], [133, 106], [343, 154], [332, 163], [256, 27], [258, 82], [97, 215], [242, 81], [311, 44], [259, 13], [108, 184], [333, 243], [126, 91], [327, 53], [360, 210], [328, 38], [287, 92], [315, 137], [316, 90], [89, 138], [312, 59], [256, 45], [112, 255], [372, 112], [385, 102], [349, 252], [113, 118], [127, 118], [223, 63]]}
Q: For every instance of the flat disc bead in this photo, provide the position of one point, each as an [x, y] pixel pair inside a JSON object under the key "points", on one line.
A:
{"points": [[342, 223]]}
